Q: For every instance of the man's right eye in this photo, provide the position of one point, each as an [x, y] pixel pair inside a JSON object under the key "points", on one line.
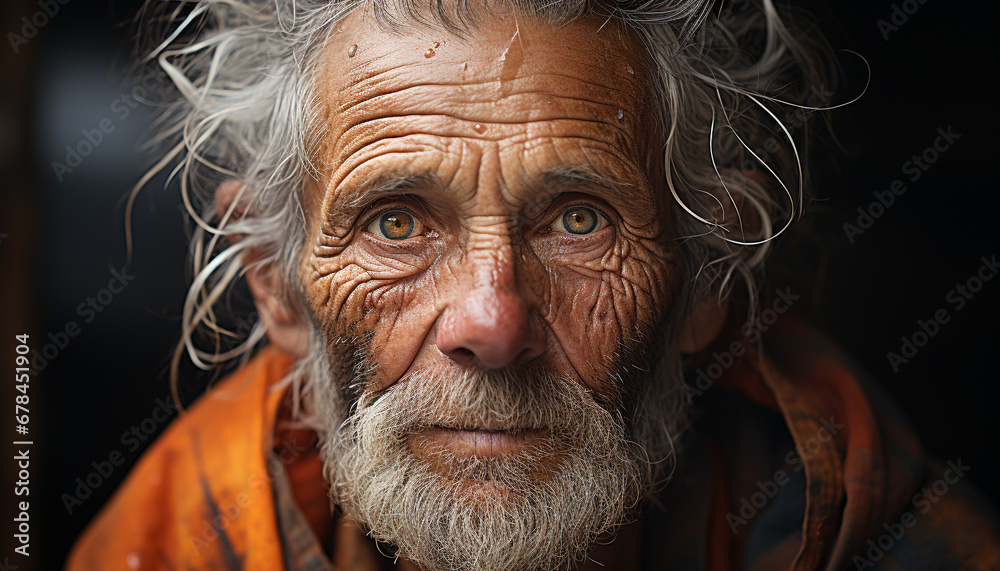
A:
{"points": [[393, 225]]}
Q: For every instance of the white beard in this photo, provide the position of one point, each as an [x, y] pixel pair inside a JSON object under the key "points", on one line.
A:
{"points": [[500, 513]]}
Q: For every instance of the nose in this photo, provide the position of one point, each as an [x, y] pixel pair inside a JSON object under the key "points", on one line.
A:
{"points": [[490, 324]]}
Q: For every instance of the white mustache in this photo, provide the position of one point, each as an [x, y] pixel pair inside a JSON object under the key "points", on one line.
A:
{"points": [[495, 401]]}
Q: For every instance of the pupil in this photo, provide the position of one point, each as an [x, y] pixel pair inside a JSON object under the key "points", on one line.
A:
{"points": [[580, 220], [396, 226]]}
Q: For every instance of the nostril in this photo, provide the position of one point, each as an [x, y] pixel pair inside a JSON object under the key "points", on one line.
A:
{"points": [[528, 354], [462, 355]]}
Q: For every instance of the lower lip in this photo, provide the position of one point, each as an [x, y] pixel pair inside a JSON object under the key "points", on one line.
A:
{"points": [[481, 443]]}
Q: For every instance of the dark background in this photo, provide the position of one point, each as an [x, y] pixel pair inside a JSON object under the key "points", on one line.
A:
{"points": [[59, 241]]}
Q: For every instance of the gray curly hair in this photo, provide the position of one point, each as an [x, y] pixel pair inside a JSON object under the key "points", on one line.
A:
{"points": [[242, 106]]}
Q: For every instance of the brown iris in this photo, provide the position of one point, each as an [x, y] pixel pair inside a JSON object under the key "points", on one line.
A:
{"points": [[580, 220], [396, 225]]}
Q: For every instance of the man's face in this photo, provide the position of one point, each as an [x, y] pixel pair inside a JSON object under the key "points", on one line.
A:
{"points": [[487, 221]]}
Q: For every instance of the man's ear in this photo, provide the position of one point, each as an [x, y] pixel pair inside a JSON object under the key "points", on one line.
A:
{"points": [[709, 314], [285, 325], [703, 325]]}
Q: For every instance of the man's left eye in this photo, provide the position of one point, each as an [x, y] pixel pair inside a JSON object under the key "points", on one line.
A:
{"points": [[579, 220], [393, 225]]}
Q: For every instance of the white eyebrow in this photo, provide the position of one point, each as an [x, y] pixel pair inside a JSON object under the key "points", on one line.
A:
{"points": [[585, 177], [386, 184], [563, 178]]}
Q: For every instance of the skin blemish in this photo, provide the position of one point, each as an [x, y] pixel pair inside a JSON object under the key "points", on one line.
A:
{"points": [[429, 53], [352, 51]]}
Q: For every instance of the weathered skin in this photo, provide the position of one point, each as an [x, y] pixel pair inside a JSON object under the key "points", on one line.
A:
{"points": [[489, 277]]}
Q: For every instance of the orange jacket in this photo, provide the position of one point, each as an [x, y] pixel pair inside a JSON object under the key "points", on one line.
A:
{"points": [[208, 467]]}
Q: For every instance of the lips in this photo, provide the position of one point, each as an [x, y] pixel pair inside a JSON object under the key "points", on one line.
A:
{"points": [[479, 442]]}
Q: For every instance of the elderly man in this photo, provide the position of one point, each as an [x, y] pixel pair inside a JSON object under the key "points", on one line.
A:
{"points": [[494, 249]]}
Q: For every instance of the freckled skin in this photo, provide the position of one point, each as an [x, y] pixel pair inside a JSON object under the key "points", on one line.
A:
{"points": [[488, 277]]}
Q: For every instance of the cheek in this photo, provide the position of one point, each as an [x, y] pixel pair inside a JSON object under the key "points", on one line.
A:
{"points": [[358, 292], [601, 302]]}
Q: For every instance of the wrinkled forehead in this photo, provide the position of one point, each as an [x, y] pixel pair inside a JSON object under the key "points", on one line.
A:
{"points": [[505, 68], [553, 32]]}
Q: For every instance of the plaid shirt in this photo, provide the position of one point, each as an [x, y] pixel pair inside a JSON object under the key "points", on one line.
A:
{"points": [[793, 461]]}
